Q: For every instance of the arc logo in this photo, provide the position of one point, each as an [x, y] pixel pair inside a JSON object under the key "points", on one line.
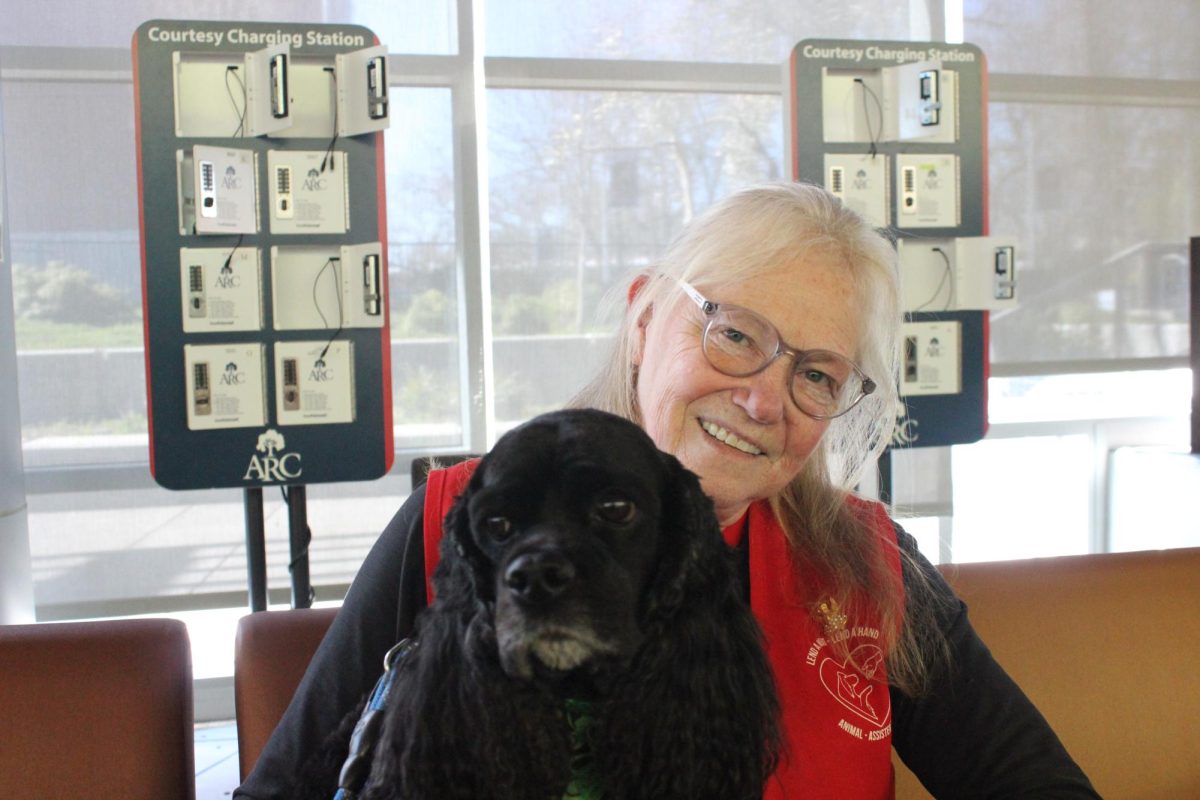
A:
{"points": [[320, 373], [231, 179], [270, 464], [232, 376], [226, 279], [313, 182]]}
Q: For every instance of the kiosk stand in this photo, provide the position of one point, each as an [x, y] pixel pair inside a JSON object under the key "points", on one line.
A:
{"points": [[898, 131], [264, 287]]}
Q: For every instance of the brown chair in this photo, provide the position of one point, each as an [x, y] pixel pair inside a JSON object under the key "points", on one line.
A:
{"points": [[1103, 644], [271, 652], [1106, 646], [97, 709]]}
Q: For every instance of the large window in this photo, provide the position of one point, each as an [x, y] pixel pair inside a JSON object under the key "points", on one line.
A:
{"points": [[590, 134], [746, 31], [585, 188], [104, 538], [424, 290], [1104, 246], [1094, 38]]}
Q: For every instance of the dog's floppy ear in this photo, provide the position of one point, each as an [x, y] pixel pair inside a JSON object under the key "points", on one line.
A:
{"points": [[702, 682], [687, 549]]}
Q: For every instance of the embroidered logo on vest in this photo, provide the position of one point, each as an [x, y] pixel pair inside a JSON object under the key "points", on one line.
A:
{"points": [[857, 690], [856, 682]]}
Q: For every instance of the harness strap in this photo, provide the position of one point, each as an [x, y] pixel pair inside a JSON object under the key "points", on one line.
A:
{"points": [[366, 731]]}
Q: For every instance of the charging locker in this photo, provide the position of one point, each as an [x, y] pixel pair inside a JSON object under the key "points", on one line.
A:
{"points": [[309, 192], [861, 181], [314, 382], [917, 108], [220, 289], [962, 274], [331, 288], [257, 139]]}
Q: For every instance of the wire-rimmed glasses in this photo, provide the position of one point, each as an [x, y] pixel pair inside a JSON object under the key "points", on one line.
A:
{"points": [[739, 342]]}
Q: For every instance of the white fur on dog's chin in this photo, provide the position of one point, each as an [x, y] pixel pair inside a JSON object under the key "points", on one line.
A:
{"points": [[561, 654], [559, 649]]}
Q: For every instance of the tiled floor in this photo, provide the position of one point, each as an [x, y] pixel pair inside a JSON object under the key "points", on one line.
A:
{"points": [[216, 761]]}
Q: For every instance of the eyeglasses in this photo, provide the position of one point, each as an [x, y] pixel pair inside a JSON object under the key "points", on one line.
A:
{"points": [[738, 342]]}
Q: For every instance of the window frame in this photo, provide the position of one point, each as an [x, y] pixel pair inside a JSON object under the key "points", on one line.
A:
{"points": [[468, 75]]}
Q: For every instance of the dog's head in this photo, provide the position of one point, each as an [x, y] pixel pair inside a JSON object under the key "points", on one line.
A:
{"points": [[580, 562], [576, 528]]}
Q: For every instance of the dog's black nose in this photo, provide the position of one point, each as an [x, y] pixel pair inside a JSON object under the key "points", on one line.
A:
{"points": [[539, 577]]}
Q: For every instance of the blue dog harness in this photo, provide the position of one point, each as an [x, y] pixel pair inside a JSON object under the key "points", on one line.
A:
{"points": [[366, 731]]}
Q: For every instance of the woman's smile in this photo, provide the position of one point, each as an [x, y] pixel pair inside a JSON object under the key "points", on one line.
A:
{"points": [[729, 438]]}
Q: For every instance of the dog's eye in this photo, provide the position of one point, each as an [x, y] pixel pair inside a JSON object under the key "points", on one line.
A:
{"points": [[619, 512], [499, 528]]}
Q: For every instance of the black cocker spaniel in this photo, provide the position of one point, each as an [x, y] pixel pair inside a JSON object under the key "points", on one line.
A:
{"points": [[588, 632]]}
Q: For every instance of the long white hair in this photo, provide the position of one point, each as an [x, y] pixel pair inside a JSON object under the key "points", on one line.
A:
{"points": [[789, 225]]}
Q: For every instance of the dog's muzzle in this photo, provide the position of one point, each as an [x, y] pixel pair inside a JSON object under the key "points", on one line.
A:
{"points": [[541, 616], [539, 578]]}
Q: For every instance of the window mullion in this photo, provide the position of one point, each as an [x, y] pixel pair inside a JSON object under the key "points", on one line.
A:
{"points": [[469, 108]]}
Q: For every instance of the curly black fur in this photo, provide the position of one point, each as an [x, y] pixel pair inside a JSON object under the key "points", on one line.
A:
{"points": [[690, 712]]}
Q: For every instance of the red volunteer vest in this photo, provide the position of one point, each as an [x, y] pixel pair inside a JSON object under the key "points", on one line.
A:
{"points": [[837, 722]]}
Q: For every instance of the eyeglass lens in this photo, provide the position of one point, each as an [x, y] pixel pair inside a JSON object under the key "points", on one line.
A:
{"points": [[739, 342]]}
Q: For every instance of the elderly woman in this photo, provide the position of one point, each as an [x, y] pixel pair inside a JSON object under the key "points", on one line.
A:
{"points": [[761, 352]]}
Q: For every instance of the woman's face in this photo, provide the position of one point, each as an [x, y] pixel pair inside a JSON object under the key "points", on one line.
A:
{"points": [[744, 437]]}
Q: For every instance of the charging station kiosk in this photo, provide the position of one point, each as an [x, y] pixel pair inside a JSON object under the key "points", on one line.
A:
{"points": [[264, 287], [898, 130]]}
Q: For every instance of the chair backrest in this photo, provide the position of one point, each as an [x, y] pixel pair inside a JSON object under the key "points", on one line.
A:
{"points": [[97, 709], [1099, 643], [1106, 647], [271, 652], [423, 465]]}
